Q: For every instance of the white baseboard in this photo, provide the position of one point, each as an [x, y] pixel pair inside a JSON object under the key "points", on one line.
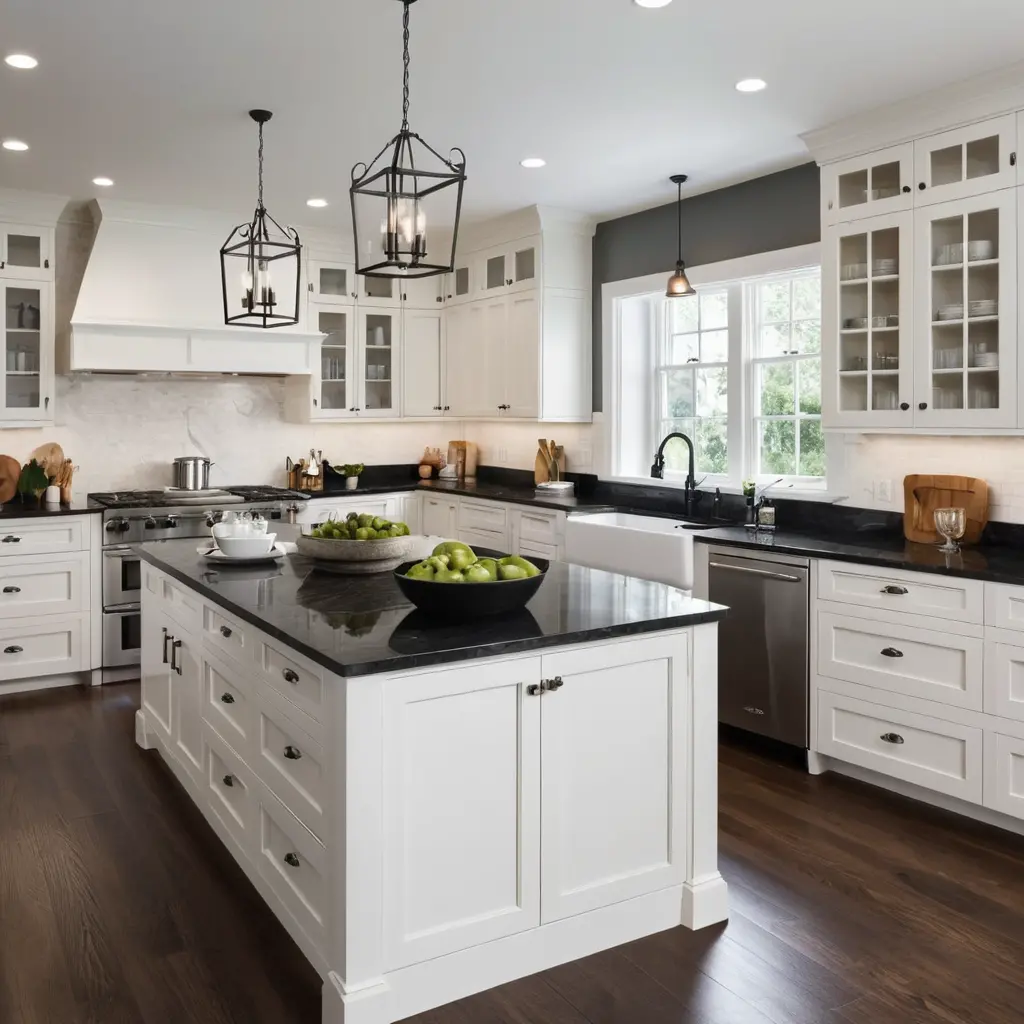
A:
{"points": [[45, 683]]}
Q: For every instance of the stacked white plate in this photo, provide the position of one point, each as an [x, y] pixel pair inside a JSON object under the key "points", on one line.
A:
{"points": [[946, 255], [854, 271], [855, 323], [954, 311], [884, 268], [986, 360], [983, 307], [981, 249]]}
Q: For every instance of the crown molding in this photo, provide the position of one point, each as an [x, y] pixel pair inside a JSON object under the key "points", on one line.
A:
{"points": [[965, 102], [21, 207]]}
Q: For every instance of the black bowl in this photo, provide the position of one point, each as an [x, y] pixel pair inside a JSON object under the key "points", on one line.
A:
{"points": [[470, 600]]}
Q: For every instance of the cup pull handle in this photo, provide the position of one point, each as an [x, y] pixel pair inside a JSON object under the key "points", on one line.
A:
{"points": [[892, 737], [897, 591], [891, 652]]}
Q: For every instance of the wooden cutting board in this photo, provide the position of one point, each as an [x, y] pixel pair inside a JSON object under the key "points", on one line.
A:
{"points": [[10, 473], [923, 494]]}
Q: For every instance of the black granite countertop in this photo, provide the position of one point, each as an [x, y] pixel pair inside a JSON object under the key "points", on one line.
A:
{"points": [[361, 625], [996, 564], [40, 510]]}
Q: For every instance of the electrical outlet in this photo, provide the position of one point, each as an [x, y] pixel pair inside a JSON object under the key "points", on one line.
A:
{"points": [[883, 491], [502, 456]]}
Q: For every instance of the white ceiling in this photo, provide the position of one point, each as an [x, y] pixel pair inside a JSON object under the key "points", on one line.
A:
{"points": [[154, 94]]}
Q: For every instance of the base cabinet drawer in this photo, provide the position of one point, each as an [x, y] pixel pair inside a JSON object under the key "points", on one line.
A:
{"points": [[531, 549], [290, 763], [228, 705], [294, 864], [540, 527], [43, 585], [18, 537], [227, 636], [925, 663], [488, 541], [939, 597], [298, 682], [1004, 680], [939, 755], [231, 795], [477, 517], [42, 648], [1004, 774]]}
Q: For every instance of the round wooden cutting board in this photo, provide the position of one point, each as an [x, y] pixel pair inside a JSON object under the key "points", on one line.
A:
{"points": [[50, 457], [10, 472]]}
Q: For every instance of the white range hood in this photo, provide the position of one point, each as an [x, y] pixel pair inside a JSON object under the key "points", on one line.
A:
{"points": [[150, 301]]}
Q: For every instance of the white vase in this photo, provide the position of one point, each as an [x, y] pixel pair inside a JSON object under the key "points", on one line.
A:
{"points": [[351, 483]]}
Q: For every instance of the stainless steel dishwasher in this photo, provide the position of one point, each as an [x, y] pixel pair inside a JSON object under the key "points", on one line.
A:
{"points": [[762, 642]]}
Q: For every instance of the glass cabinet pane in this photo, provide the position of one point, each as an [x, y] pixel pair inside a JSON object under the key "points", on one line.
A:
{"points": [[870, 184], [496, 272], [378, 352], [379, 287], [333, 356], [333, 281], [965, 161], [23, 323], [526, 264], [462, 280], [24, 251]]}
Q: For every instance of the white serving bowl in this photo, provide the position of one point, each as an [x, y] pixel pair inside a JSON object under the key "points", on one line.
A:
{"points": [[247, 547]]}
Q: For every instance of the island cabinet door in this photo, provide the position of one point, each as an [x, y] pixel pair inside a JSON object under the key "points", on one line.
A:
{"points": [[187, 705], [614, 752], [155, 671], [461, 808]]}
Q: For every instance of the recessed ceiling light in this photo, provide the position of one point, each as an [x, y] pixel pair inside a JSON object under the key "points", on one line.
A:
{"points": [[316, 203], [16, 145], [103, 182], [533, 162], [21, 60], [652, 3], [751, 85]]}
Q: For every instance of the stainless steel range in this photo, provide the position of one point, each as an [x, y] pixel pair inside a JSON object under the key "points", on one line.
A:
{"points": [[135, 517]]}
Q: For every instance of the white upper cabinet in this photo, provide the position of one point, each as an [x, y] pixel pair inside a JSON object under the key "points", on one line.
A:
{"points": [[966, 161], [379, 291], [868, 186], [26, 252], [519, 362], [424, 292], [27, 371], [332, 396], [332, 283], [423, 356], [462, 282], [509, 268], [867, 328], [379, 366], [966, 312]]}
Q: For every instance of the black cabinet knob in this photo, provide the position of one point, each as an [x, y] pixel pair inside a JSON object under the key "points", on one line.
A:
{"points": [[290, 676], [891, 652], [922, 405], [12, 590], [228, 780], [227, 698], [14, 649], [904, 406], [291, 859], [533, 690], [906, 188], [225, 631], [292, 753], [922, 186], [891, 737]]}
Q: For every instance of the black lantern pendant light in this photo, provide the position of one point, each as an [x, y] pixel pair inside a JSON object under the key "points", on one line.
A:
{"points": [[267, 259], [404, 186], [679, 284]]}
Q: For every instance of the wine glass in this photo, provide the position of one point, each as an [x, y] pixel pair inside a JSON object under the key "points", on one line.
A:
{"points": [[951, 523]]}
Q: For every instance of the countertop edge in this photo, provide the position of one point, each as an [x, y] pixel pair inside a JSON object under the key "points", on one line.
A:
{"points": [[413, 661]]}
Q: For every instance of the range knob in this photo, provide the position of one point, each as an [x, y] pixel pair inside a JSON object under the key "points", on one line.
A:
{"points": [[118, 526], [150, 523], [170, 523]]}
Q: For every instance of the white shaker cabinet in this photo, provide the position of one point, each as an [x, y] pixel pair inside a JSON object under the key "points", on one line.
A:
{"points": [[332, 283], [155, 673], [520, 370], [26, 252], [965, 347], [868, 308], [868, 186], [26, 366], [187, 704], [423, 363], [968, 161], [440, 517]]}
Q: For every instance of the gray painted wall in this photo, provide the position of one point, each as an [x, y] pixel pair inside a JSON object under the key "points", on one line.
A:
{"points": [[777, 211]]}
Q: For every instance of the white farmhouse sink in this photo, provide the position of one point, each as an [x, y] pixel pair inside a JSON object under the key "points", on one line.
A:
{"points": [[649, 547]]}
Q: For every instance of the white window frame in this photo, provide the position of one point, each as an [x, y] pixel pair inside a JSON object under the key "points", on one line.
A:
{"points": [[608, 426]]}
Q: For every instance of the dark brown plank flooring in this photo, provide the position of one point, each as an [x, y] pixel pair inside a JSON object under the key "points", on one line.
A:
{"points": [[850, 906]]}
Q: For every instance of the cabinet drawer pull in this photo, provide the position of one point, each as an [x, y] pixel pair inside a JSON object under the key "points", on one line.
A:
{"points": [[892, 737], [751, 710], [292, 753], [534, 689], [290, 676], [228, 780], [897, 591], [891, 652], [12, 590], [291, 859], [11, 539], [225, 632], [553, 684], [167, 637], [227, 698], [175, 666], [14, 649]]}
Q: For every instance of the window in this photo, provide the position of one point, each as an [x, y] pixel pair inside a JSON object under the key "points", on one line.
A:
{"points": [[786, 372], [736, 367], [693, 381]]}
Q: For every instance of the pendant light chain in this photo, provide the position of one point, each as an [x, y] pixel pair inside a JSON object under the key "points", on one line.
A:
{"points": [[405, 58], [679, 205], [261, 167]]}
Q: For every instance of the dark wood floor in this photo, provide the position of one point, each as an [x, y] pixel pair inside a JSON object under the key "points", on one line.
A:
{"points": [[850, 906]]}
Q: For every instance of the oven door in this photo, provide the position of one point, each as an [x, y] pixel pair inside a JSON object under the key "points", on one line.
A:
{"points": [[122, 577], [122, 636]]}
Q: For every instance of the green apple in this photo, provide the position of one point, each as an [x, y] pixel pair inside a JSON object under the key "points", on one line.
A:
{"points": [[461, 558], [363, 533], [477, 574], [528, 568], [490, 565], [439, 562], [511, 572], [365, 520], [449, 576], [421, 571], [451, 546]]}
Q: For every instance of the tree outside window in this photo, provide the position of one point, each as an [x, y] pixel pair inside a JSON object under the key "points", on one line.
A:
{"points": [[787, 435], [693, 378]]}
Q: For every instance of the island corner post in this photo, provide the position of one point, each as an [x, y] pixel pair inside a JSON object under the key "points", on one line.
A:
{"points": [[431, 824]]}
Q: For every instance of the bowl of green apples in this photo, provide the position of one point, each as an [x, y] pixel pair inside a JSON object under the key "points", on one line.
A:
{"points": [[458, 581], [360, 544]]}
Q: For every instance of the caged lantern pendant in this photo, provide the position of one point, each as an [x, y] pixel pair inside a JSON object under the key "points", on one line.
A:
{"points": [[267, 261], [406, 185], [679, 284]]}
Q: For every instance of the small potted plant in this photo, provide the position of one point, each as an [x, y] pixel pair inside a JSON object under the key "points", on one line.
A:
{"points": [[351, 475]]}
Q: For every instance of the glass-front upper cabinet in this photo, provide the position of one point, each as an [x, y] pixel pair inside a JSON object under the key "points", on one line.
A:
{"points": [[337, 350], [966, 161], [867, 306], [524, 266], [380, 291], [966, 315], [332, 283], [509, 268], [868, 186], [379, 338], [28, 351], [25, 252], [461, 282]]}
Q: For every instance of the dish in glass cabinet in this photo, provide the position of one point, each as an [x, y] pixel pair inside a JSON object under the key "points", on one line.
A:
{"points": [[854, 271], [853, 323]]}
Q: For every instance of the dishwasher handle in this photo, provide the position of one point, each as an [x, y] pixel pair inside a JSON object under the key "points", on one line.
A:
{"points": [[781, 576]]}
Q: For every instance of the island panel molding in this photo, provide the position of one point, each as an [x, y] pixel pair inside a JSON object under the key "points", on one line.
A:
{"points": [[439, 830]]}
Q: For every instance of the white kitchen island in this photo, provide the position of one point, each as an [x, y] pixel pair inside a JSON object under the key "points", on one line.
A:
{"points": [[432, 810]]}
